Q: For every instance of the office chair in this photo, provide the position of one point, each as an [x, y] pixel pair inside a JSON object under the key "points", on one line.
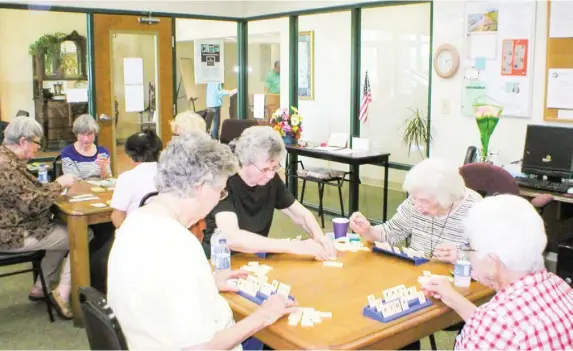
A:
{"points": [[488, 180], [233, 128], [102, 327]]}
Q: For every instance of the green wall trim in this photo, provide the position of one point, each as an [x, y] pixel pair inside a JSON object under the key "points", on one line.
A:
{"points": [[430, 69], [91, 65], [42, 7], [174, 65], [355, 64], [243, 57], [293, 61]]}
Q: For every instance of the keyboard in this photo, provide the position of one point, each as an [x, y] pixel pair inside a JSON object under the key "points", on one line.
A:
{"points": [[541, 184]]}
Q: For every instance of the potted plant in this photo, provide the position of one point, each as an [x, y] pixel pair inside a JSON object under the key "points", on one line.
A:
{"points": [[416, 132], [288, 123], [48, 44]]}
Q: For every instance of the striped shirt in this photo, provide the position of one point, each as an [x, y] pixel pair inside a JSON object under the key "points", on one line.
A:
{"points": [[425, 233], [82, 166]]}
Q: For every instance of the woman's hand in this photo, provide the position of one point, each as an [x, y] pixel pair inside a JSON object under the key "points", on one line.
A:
{"points": [[447, 252], [310, 247], [274, 308], [103, 162], [328, 245], [222, 277], [359, 224], [440, 288], [66, 181]]}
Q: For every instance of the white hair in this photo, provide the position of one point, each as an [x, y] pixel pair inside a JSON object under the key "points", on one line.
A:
{"points": [[437, 179], [22, 127], [85, 124], [509, 227], [188, 121], [259, 143], [193, 159]]}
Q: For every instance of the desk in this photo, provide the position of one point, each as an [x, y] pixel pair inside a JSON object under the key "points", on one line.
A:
{"points": [[354, 160], [78, 215], [531, 193], [343, 292]]}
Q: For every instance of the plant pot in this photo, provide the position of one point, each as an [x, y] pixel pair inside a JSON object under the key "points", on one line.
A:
{"points": [[289, 140]]}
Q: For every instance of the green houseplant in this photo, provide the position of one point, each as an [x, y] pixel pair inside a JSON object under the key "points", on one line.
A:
{"points": [[48, 44], [416, 131]]}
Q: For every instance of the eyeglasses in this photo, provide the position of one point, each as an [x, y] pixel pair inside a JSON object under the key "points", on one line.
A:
{"points": [[36, 142], [267, 170]]}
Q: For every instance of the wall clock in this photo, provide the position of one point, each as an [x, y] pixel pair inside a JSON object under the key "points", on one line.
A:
{"points": [[446, 61]]}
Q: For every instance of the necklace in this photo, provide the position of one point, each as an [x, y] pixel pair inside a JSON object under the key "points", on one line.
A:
{"points": [[441, 232]]}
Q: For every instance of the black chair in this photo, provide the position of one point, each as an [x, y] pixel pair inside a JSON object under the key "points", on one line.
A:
{"points": [[35, 258], [321, 176], [233, 128], [102, 327], [3, 126], [146, 197], [56, 167]]}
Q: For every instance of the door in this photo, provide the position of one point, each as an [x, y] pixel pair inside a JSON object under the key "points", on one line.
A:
{"points": [[133, 81]]}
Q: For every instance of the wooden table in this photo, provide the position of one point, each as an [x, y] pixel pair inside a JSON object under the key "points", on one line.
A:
{"points": [[78, 215], [343, 292]]}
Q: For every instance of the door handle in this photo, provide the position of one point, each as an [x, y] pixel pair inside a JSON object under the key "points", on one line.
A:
{"points": [[104, 118]]}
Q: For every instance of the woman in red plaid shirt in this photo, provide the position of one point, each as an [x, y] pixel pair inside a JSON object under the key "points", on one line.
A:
{"points": [[532, 309]]}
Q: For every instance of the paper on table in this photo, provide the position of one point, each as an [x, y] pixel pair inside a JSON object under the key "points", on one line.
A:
{"points": [[560, 88], [133, 71], [134, 98], [259, 106], [560, 19]]}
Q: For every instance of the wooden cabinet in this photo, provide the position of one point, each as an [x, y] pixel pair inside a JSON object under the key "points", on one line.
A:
{"points": [[57, 118]]}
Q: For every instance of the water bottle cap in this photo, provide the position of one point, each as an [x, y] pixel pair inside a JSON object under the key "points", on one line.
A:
{"points": [[222, 241]]}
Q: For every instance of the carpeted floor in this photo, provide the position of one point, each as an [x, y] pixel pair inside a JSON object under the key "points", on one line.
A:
{"points": [[25, 325]]}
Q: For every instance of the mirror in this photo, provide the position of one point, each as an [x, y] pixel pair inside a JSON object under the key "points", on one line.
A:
{"points": [[69, 59], [65, 59]]}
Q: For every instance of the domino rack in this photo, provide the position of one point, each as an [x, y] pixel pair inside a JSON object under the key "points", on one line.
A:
{"points": [[259, 298], [414, 305], [417, 261], [262, 254]]}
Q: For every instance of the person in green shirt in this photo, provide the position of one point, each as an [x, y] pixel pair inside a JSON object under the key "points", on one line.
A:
{"points": [[273, 80]]}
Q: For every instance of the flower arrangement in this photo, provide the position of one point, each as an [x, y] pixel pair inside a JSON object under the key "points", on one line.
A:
{"points": [[288, 123], [487, 117]]}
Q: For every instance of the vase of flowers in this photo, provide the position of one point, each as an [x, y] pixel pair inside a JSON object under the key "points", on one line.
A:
{"points": [[288, 123], [487, 117]]}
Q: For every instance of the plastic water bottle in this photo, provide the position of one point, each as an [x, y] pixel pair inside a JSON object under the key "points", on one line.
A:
{"points": [[215, 245], [223, 258], [43, 174], [462, 273]]}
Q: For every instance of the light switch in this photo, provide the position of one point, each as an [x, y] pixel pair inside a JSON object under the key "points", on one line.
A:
{"points": [[445, 106]]}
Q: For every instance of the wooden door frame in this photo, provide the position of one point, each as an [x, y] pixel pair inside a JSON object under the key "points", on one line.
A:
{"points": [[104, 26]]}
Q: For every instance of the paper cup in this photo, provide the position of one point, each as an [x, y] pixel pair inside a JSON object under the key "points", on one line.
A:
{"points": [[340, 226]]}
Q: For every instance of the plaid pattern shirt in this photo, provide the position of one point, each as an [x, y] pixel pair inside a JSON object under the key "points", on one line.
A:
{"points": [[536, 312]]}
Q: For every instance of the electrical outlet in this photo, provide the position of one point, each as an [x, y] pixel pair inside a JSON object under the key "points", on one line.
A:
{"points": [[445, 106]]}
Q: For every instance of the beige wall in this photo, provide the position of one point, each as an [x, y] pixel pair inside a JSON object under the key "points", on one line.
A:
{"points": [[16, 34]]}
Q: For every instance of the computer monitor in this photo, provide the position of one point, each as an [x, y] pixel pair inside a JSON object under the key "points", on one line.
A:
{"points": [[548, 152]]}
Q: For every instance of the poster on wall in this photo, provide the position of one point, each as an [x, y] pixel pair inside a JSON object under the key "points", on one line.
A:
{"points": [[514, 57], [497, 65], [209, 61]]}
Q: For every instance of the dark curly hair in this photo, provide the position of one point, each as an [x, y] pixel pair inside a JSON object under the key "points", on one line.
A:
{"points": [[144, 146]]}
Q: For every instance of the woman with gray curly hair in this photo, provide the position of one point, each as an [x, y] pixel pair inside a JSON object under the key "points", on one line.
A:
{"points": [[254, 194], [160, 283]]}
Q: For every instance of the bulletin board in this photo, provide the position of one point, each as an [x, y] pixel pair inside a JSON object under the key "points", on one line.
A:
{"points": [[497, 56], [559, 66]]}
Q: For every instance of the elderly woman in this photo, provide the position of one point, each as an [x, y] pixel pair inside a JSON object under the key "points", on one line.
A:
{"points": [[161, 303], [246, 215], [143, 149], [186, 122], [26, 222], [430, 220], [84, 158], [532, 309]]}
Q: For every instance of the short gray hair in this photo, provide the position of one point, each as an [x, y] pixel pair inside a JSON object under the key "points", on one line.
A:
{"points": [[438, 179], [22, 127], [193, 159], [509, 227], [85, 124], [259, 143]]}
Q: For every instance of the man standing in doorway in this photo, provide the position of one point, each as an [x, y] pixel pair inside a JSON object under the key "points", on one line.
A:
{"points": [[215, 94], [273, 80]]}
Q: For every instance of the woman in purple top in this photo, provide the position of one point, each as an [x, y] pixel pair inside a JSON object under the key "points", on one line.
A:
{"points": [[84, 159]]}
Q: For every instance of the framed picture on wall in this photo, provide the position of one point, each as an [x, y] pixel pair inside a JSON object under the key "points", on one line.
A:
{"points": [[306, 65]]}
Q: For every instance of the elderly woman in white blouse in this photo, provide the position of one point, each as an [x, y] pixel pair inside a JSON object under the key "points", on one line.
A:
{"points": [[430, 219], [160, 283]]}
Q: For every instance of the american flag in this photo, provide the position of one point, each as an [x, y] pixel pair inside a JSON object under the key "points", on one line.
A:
{"points": [[366, 100]]}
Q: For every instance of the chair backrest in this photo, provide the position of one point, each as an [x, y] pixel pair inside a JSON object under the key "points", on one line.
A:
{"points": [[232, 128], [3, 126], [102, 327], [146, 197], [57, 166], [488, 179]]}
